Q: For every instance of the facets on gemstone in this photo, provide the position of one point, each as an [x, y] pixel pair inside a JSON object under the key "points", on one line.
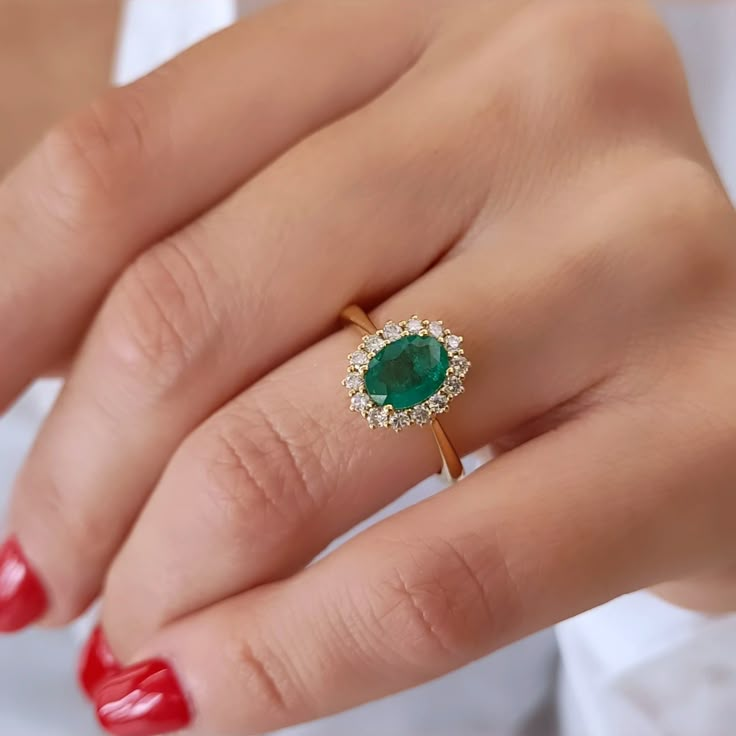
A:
{"points": [[392, 331], [407, 371], [421, 414], [359, 357], [360, 402], [453, 342], [460, 365], [353, 382], [373, 343], [438, 402], [436, 329], [454, 386], [400, 420], [378, 416]]}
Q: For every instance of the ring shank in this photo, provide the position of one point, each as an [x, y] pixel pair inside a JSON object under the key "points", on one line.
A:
{"points": [[452, 467]]}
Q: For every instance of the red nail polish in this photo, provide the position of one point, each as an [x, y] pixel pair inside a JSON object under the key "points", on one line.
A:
{"points": [[142, 700], [22, 598], [96, 662]]}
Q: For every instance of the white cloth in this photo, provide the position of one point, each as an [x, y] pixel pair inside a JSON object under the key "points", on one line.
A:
{"points": [[634, 667]]}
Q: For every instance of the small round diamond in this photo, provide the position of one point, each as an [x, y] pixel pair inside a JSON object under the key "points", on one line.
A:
{"points": [[353, 382], [360, 402], [392, 331], [453, 342], [420, 414], [414, 325], [460, 365], [378, 417], [359, 357], [454, 386], [399, 421], [436, 329], [373, 343], [438, 402]]}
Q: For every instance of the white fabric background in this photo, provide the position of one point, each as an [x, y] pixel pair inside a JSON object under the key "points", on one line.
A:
{"points": [[635, 667]]}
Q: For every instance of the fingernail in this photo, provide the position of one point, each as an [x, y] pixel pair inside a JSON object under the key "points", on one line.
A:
{"points": [[22, 597], [142, 700], [96, 662]]}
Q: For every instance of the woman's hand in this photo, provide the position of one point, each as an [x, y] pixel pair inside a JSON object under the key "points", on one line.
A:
{"points": [[529, 171]]}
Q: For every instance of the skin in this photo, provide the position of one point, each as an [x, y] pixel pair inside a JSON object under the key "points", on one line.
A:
{"points": [[561, 213], [48, 67]]}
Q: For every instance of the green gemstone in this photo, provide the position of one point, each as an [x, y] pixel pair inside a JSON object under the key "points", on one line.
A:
{"points": [[407, 372]]}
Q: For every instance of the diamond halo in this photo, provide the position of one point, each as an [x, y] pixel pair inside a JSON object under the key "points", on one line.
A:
{"points": [[422, 413]]}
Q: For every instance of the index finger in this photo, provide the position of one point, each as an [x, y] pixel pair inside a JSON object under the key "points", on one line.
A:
{"points": [[147, 158]]}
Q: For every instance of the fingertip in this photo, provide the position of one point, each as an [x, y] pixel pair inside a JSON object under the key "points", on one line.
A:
{"points": [[96, 662], [23, 599]]}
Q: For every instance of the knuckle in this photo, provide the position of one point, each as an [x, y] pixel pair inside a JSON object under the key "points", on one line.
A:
{"points": [[607, 34], [425, 608], [94, 156], [443, 599], [695, 221], [269, 678], [160, 320], [690, 193], [263, 472], [615, 59]]}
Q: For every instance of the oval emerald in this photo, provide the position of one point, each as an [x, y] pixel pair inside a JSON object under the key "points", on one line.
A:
{"points": [[407, 372]]}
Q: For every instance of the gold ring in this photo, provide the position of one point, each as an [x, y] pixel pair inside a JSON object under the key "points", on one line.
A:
{"points": [[407, 373]]}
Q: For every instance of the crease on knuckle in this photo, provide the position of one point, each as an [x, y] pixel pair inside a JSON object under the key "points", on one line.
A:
{"points": [[242, 479], [269, 676], [476, 584], [260, 475], [160, 320], [430, 616], [447, 601]]}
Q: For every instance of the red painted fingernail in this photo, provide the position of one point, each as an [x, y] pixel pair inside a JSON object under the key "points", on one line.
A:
{"points": [[142, 700], [22, 597], [96, 662]]}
